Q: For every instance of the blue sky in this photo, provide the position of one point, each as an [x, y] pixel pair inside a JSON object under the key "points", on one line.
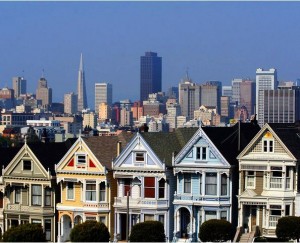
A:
{"points": [[215, 40]]}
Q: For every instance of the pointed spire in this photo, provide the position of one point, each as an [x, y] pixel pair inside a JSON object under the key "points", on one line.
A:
{"points": [[81, 63]]}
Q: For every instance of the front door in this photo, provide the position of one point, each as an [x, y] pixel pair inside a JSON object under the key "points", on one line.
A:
{"points": [[253, 218], [184, 222]]}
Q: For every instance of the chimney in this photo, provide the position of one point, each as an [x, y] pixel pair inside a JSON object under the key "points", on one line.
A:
{"points": [[119, 146]]}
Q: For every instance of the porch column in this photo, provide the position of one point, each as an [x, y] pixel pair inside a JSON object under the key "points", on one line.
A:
{"points": [[116, 227], [59, 229]]}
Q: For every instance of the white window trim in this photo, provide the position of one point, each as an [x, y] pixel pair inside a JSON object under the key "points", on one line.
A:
{"points": [[67, 188], [139, 162], [268, 140], [83, 166], [201, 153], [15, 192], [246, 180], [96, 190], [191, 188], [31, 167]]}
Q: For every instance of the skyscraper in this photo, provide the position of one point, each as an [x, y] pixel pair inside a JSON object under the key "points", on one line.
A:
{"points": [[265, 80], [189, 97], [211, 93], [103, 94], [150, 76], [19, 86], [44, 93], [82, 99], [70, 103]]}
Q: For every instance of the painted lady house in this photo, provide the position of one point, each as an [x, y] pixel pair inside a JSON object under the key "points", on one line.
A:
{"points": [[206, 170], [29, 185], [269, 187], [87, 186], [145, 178]]}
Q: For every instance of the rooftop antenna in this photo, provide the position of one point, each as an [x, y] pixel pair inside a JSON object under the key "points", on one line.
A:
{"points": [[43, 73], [187, 73]]}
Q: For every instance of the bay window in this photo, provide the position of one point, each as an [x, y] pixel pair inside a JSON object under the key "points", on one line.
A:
{"points": [[161, 188], [90, 191], [37, 195], [187, 183], [211, 184], [149, 187], [224, 185]]}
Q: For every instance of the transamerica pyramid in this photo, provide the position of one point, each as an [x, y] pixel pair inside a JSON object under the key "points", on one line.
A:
{"points": [[82, 99]]}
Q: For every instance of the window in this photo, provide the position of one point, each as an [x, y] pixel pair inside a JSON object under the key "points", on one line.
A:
{"points": [[149, 187], [211, 184], [139, 157], [223, 184], [102, 219], [161, 186], [26, 165], [36, 221], [148, 217], [288, 177], [47, 227], [90, 191], [36, 195], [287, 210], [187, 183], [81, 161], [268, 146], [70, 190], [276, 180], [161, 218], [17, 194], [250, 180], [275, 214], [102, 191], [48, 197], [210, 215], [223, 215], [127, 183], [201, 153]]}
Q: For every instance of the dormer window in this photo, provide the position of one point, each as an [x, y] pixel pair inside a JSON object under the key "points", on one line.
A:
{"points": [[201, 153], [268, 143], [139, 157], [81, 161], [26, 165]]}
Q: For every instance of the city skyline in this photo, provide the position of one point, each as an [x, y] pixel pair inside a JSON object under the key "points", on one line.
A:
{"points": [[213, 40]]}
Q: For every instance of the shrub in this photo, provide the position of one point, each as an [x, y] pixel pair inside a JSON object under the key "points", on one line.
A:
{"points": [[25, 233], [288, 228], [216, 230], [90, 231], [149, 231]]}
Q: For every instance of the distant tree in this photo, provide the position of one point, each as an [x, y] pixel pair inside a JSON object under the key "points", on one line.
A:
{"points": [[288, 228], [25, 233], [216, 230], [31, 136], [90, 231], [149, 231]]}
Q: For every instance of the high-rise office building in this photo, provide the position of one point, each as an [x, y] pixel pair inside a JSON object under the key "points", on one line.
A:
{"points": [[227, 91], [247, 95], [150, 74], [19, 86], [265, 80], [189, 97], [211, 93], [104, 112], [70, 103], [103, 94], [43, 92], [236, 94], [82, 98]]}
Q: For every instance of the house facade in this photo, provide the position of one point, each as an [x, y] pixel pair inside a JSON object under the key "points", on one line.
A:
{"points": [[206, 173], [268, 185], [29, 187], [144, 177], [87, 185]]}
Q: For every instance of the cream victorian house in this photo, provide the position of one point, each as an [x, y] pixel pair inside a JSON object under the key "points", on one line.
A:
{"points": [[29, 186], [86, 181], [268, 184]]}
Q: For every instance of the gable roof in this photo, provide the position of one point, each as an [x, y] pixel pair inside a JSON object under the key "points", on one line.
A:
{"points": [[226, 139], [289, 134], [50, 153], [164, 144], [105, 147]]}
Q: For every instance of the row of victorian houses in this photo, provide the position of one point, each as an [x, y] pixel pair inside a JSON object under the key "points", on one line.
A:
{"points": [[243, 174]]}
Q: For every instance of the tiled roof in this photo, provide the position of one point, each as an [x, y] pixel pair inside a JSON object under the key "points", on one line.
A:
{"points": [[164, 144], [105, 147], [226, 139]]}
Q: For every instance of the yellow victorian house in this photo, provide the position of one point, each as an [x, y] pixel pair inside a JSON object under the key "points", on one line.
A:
{"points": [[86, 181]]}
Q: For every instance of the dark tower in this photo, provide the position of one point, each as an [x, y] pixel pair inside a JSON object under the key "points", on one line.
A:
{"points": [[151, 67]]}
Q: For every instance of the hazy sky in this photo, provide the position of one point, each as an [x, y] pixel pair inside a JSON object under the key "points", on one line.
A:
{"points": [[215, 40]]}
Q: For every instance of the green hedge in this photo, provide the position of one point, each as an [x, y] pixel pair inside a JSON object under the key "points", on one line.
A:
{"points": [[288, 228], [25, 233], [149, 231], [216, 230], [90, 231]]}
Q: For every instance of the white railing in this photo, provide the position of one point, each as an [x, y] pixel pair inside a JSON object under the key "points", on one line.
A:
{"points": [[276, 183], [31, 209], [273, 220], [139, 202]]}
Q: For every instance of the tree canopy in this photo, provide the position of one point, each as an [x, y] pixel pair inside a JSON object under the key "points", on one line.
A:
{"points": [[216, 230]]}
